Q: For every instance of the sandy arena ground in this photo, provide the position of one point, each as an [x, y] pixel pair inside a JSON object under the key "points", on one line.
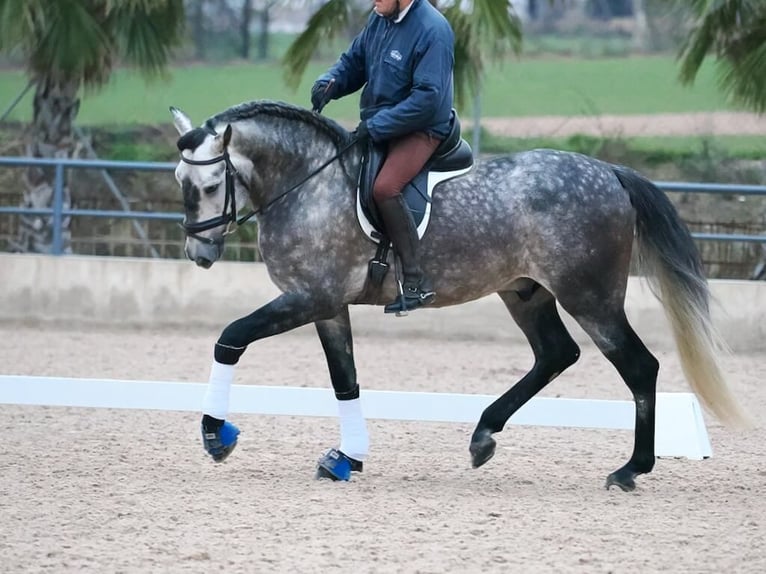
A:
{"points": [[132, 491]]}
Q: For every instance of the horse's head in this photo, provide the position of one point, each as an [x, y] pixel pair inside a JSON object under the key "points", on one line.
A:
{"points": [[213, 179]]}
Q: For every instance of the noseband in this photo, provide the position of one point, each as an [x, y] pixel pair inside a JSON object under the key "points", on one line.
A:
{"points": [[228, 216]]}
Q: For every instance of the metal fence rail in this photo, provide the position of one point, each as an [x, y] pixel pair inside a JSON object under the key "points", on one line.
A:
{"points": [[58, 213]]}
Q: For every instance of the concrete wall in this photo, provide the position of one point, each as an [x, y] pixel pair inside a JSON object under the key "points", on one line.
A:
{"points": [[153, 293]]}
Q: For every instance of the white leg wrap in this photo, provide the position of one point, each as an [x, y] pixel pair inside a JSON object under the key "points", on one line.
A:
{"points": [[216, 401], [354, 440]]}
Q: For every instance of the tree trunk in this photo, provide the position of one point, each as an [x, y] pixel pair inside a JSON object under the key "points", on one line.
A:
{"points": [[198, 28], [50, 136], [641, 36], [247, 18], [263, 39]]}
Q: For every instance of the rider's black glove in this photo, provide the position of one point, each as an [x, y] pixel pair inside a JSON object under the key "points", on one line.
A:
{"points": [[321, 94], [362, 133]]}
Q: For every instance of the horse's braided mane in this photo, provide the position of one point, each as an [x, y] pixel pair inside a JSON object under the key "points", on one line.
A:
{"points": [[248, 110]]}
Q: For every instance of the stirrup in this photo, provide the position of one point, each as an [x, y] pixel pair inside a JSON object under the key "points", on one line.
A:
{"points": [[409, 300]]}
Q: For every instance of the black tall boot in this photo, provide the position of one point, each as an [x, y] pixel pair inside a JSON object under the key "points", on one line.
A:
{"points": [[400, 228]]}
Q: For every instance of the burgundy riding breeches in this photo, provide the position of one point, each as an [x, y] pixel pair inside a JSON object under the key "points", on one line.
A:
{"points": [[406, 157]]}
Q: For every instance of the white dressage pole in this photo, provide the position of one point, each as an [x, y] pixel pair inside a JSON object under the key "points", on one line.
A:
{"points": [[680, 428]]}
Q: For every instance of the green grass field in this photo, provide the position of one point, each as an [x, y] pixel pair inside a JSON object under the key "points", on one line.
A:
{"points": [[534, 86], [559, 86]]}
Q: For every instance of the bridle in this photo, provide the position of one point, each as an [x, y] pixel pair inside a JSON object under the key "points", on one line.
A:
{"points": [[228, 216]]}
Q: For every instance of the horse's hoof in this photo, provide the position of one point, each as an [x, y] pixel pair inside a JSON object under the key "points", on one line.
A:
{"points": [[482, 448], [220, 444], [622, 478], [335, 465]]}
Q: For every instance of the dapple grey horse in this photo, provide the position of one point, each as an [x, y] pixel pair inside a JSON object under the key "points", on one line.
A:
{"points": [[537, 228]]}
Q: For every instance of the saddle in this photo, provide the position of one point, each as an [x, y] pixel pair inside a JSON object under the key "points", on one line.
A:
{"points": [[451, 159]]}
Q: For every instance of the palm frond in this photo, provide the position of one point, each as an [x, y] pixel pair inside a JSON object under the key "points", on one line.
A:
{"points": [[147, 30], [734, 32], [70, 43], [19, 20], [328, 22], [498, 24], [490, 31], [745, 80], [78, 41], [469, 65]]}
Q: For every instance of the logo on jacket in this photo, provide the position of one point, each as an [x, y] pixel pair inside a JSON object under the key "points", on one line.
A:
{"points": [[396, 55]]}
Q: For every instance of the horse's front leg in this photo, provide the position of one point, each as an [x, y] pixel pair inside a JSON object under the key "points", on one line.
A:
{"points": [[338, 345], [286, 312]]}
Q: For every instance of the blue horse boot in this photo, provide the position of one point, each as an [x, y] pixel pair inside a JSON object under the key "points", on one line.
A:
{"points": [[336, 465], [220, 443]]}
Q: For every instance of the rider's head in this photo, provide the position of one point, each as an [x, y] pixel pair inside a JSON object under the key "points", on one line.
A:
{"points": [[390, 8]]}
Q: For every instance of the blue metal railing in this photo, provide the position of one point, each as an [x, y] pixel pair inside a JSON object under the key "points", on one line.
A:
{"points": [[58, 212]]}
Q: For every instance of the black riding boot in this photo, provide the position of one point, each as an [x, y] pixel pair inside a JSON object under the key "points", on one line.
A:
{"points": [[400, 228]]}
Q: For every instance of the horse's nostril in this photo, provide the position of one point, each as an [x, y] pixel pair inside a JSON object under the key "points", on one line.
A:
{"points": [[203, 262]]}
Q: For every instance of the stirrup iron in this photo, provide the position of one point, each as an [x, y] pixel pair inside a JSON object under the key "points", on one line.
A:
{"points": [[402, 312]]}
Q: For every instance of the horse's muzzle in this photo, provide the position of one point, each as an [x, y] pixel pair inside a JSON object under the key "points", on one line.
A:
{"points": [[203, 262], [203, 254]]}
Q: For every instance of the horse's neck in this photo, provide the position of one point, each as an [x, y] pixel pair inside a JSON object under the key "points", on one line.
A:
{"points": [[316, 218], [288, 163]]}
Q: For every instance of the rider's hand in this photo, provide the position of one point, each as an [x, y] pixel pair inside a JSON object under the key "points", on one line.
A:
{"points": [[362, 132], [321, 94]]}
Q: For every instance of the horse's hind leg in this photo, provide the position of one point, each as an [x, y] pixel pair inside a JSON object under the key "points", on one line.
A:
{"points": [[338, 345], [610, 330], [554, 351]]}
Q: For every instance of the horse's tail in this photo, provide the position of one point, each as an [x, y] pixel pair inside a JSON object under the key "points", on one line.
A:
{"points": [[671, 262]]}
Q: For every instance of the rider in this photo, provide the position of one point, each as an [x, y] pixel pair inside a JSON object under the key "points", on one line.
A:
{"points": [[404, 58]]}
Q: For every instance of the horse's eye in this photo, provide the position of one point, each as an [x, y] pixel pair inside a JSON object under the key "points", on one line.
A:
{"points": [[210, 189]]}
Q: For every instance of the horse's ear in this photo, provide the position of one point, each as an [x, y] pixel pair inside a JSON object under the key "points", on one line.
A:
{"points": [[181, 121], [222, 140]]}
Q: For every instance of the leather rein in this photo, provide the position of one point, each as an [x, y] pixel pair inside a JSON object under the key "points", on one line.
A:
{"points": [[228, 216]]}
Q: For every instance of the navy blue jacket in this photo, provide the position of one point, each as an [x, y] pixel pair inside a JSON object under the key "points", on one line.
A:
{"points": [[406, 71]]}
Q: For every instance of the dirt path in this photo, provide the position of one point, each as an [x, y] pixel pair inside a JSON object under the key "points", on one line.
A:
{"points": [[131, 491], [692, 124]]}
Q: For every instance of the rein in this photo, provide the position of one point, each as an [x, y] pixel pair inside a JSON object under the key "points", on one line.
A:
{"points": [[228, 216]]}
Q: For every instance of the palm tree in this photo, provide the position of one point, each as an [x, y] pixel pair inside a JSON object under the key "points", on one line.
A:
{"points": [[735, 32], [69, 45], [491, 30]]}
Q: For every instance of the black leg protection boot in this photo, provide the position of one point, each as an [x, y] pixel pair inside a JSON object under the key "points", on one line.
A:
{"points": [[400, 228]]}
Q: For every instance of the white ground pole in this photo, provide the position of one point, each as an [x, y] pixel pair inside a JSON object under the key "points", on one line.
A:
{"points": [[680, 427]]}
